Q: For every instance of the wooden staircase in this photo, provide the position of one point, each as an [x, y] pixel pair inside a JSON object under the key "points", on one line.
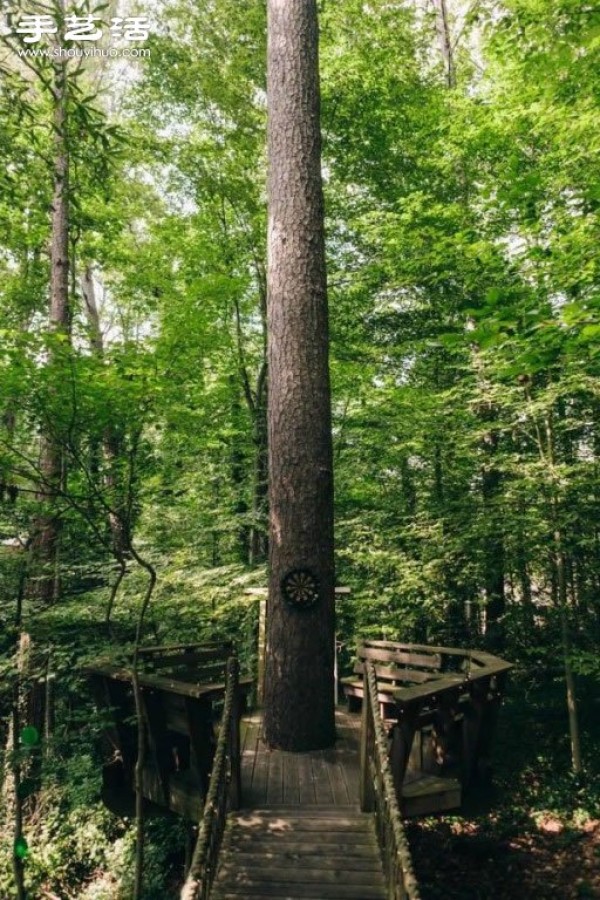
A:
{"points": [[295, 853], [301, 834]]}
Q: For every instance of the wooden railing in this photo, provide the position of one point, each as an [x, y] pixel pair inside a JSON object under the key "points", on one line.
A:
{"points": [[224, 793], [378, 795]]}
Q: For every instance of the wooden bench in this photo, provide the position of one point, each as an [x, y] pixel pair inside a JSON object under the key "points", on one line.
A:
{"points": [[181, 687], [439, 706], [396, 666]]}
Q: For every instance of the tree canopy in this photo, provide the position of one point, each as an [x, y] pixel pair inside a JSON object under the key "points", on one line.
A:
{"points": [[461, 173]]}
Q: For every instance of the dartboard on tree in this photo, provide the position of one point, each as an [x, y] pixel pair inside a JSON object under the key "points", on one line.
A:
{"points": [[300, 588]]}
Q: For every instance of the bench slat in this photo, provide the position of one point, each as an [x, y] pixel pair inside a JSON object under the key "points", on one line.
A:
{"points": [[224, 649], [171, 685], [422, 661], [187, 658], [391, 673]]}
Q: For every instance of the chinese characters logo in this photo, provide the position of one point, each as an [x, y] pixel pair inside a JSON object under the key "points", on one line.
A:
{"points": [[80, 28]]}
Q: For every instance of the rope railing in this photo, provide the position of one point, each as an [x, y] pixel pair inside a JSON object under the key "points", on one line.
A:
{"points": [[223, 793], [378, 795]]}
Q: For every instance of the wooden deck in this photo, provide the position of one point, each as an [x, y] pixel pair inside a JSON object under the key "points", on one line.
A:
{"points": [[321, 778], [300, 833]]}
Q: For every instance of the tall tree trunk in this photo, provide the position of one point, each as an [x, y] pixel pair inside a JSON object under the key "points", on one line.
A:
{"points": [[9, 491], [523, 571], [299, 711], [563, 603], [572, 710], [46, 529], [442, 22], [118, 516], [493, 542], [547, 454]]}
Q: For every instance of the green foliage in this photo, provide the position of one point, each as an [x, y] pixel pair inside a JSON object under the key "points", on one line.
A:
{"points": [[462, 236]]}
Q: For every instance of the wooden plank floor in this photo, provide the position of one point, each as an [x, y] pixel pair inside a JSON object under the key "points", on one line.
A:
{"points": [[300, 833], [320, 778]]}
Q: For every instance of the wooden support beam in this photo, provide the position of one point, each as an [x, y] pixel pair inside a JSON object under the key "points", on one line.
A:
{"points": [[489, 720], [263, 592], [158, 740], [235, 750], [262, 649], [367, 740], [471, 727], [202, 739], [403, 734]]}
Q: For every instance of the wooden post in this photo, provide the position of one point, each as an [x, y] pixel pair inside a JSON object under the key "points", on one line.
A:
{"points": [[339, 591], [471, 729], [156, 732], [236, 767], [262, 632], [403, 735], [489, 718], [335, 671], [262, 640], [367, 736], [202, 743]]}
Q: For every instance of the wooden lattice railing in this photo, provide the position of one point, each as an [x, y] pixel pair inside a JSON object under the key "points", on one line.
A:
{"points": [[378, 795], [223, 794]]}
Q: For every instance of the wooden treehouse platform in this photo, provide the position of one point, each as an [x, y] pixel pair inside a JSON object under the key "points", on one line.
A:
{"points": [[277, 778], [329, 778], [324, 824], [181, 692], [439, 707]]}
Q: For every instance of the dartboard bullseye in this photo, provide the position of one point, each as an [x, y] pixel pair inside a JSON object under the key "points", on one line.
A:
{"points": [[300, 588]]}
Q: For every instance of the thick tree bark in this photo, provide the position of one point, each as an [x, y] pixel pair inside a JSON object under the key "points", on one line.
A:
{"points": [[299, 713]]}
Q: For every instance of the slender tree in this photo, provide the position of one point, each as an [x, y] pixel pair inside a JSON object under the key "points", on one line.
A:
{"points": [[445, 39], [46, 529], [299, 712], [118, 517]]}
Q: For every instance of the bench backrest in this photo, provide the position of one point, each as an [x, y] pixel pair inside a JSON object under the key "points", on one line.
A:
{"points": [[194, 663], [418, 671]]}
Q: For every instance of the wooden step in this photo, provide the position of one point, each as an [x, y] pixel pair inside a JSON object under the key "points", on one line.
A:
{"points": [[303, 840], [299, 854], [312, 856], [236, 873], [283, 891], [286, 824], [429, 794], [307, 812]]}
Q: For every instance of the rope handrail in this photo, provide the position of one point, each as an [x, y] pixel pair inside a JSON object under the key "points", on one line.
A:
{"points": [[378, 794], [225, 769]]}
